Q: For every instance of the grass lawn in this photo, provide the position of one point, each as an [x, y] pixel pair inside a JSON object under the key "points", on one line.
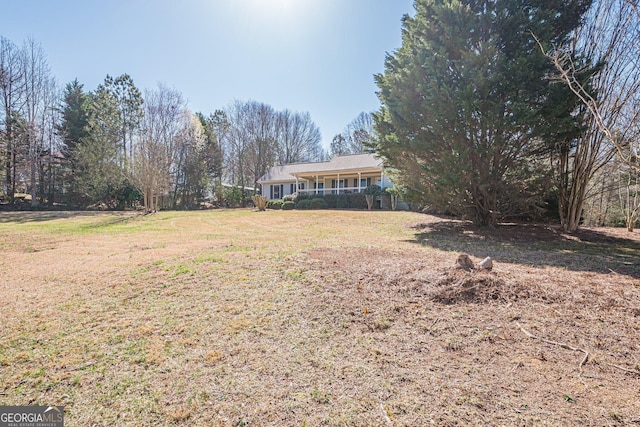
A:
{"points": [[316, 318]]}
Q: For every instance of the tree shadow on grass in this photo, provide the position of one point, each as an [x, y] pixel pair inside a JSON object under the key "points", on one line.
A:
{"points": [[23, 217], [589, 250]]}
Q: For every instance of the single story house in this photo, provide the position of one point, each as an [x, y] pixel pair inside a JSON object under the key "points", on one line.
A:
{"points": [[342, 174]]}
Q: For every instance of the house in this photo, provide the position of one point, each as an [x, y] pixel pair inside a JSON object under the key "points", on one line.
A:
{"points": [[342, 174]]}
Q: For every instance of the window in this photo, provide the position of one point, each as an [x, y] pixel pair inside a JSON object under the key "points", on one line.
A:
{"points": [[292, 188], [276, 191], [365, 182]]}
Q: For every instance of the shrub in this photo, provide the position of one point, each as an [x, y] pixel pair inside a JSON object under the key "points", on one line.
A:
{"points": [[127, 195], [290, 197], [260, 202], [358, 201], [342, 201], [274, 204], [351, 201], [331, 200], [288, 205], [304, 204], [318, 204], [232, 196]]}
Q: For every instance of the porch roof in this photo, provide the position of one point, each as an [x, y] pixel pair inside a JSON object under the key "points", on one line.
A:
{"points": [[338, 165]]}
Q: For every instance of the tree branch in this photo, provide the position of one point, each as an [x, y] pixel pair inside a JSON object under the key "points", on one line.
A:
{"points": [[567, 73], [560, 344]]}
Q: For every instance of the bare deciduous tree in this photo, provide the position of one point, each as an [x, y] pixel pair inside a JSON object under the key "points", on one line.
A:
{"points": [[154, 154], [629, 194], [298, 137], [356, 136], [236, 140], [191, 179], [257, 137], [37, 101], [610, 41], [11, 98]]}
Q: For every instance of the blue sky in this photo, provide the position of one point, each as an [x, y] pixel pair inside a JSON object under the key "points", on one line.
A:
{"points": [[305, 55]]}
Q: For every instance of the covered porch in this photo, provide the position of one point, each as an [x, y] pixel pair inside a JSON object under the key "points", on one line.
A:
{"points": [[340, 182]]}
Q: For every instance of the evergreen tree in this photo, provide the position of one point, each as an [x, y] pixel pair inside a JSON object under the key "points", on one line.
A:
{"points": [[74, 117], [72, 129], [466, 98], [129, 102], [98, 176], [213, 151]]}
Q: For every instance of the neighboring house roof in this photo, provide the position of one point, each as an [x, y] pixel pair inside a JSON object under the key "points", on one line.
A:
{"points": [[226, 185], [339, 164]]}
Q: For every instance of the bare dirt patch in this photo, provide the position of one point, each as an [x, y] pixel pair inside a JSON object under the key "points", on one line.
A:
{"points": [[456, 341]]}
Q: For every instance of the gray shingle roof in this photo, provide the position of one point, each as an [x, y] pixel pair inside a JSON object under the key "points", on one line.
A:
{"points": [[338, 163]]}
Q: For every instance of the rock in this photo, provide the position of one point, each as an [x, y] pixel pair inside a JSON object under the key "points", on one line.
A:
{"points": [[464, 261], [486, 264]]}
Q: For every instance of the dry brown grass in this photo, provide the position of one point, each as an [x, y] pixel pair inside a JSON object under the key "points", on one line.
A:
{"points": [[338, 318]]}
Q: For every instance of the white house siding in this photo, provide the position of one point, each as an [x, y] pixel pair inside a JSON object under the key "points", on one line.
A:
{"points": [[284, 189], [386, 182]]}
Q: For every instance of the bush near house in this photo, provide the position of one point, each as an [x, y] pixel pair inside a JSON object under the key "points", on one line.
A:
{"points": [[351, 201], [304, 204], [290, 198], [331, 200], [334, 201], [288, 205], [232, 197], [274, 204], [318, 203]]}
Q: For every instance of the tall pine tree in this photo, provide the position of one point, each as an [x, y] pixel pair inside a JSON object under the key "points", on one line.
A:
{"points": [[73, 129]]}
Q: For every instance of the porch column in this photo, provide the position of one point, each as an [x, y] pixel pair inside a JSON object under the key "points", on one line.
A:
{"points": [[359, 182], [297, 185], [338, 184], [317, 184]]}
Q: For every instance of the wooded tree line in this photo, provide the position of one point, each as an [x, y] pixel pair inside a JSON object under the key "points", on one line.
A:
{"points": [[501, 109], [356, 136], [116, 146]]}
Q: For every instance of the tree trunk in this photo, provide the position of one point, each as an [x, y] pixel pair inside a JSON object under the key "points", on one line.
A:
{"points": [[9, 153], [369, 198], [14, 157], [33, 157], [483, 211]]}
